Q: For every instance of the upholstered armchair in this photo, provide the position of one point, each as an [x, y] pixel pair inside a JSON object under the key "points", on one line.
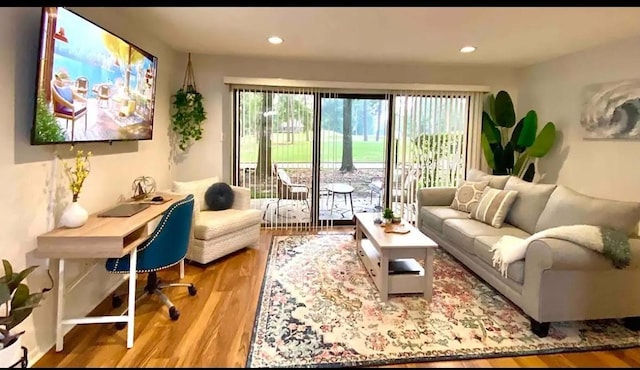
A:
{"points": [[219, 233]]}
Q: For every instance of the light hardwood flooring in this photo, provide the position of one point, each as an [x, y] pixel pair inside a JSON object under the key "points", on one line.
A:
{"points": [[215, 326]]}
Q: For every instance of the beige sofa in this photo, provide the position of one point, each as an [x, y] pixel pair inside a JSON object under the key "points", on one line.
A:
{"points": [[218, 233], [557, 280]]}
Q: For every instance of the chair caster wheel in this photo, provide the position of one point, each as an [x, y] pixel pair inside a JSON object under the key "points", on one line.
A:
{"points": [[192, 290], [116, 301], [120, 325], [174, 314]]}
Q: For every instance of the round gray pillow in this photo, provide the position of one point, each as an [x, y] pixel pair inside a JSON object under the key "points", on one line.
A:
{"points": [[219, 196]]}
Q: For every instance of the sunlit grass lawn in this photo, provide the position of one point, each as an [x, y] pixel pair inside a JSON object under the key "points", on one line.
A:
{"points": [[300, 150]]}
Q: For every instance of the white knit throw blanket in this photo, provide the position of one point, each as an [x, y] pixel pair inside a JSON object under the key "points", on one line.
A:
{"points": [[612, 243]]}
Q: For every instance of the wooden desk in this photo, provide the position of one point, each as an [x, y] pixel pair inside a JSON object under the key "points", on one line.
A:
{"points": [[100, 237]]}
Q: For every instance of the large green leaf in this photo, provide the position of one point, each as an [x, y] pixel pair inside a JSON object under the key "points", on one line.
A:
{"points": [[488, 152], [508, 157], [490, 106], [504, 113], [529, 173], [5, 293], [529, 128], [8, 270], [517, 168], [515, 134], [544, 141], [17, 278], [489, 129], [499, 159]]}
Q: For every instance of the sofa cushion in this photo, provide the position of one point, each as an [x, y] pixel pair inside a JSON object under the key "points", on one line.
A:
{"points": [[493, 206], [198, 188], [529, 203], [212, 224], [568, 207], [482, 248], [461, 233], [433, 216], [495, 181], [467, 195]]}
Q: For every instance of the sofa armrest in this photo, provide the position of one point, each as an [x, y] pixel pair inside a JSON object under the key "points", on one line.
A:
{"points": [[556, 254], [241, 197], [435, 196]]}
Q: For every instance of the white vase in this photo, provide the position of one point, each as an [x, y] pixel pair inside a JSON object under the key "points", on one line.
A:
{"points": [[74, 215], [12, 354]]}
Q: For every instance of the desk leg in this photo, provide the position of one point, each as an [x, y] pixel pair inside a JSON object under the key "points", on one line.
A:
{"points": [[60, 307], [133, 262]]}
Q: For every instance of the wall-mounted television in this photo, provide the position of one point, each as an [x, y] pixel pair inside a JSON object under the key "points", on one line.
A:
{"points": [[91, 84]]}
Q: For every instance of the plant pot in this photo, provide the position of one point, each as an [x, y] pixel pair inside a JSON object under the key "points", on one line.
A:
{"points": [[74, 215], [11, 355]]}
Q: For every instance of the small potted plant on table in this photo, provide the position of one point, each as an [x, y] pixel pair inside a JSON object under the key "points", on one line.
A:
{"points": [[387, 215]]}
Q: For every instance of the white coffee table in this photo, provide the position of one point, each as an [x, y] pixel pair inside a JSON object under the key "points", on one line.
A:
{"points": [[380, 247]]}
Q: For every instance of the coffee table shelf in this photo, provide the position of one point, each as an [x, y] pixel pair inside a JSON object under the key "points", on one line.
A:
{"points": [[398, 283]]}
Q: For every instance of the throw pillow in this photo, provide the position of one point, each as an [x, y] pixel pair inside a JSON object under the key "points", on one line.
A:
{"points": [[493, 206], [219, 196], [467, 195]]}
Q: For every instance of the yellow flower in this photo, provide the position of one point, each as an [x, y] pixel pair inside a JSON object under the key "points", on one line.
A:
{"points": [[78, 173]]}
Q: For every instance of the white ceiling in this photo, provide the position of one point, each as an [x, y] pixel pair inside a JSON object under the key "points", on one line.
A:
{"points": [[509, 36]]}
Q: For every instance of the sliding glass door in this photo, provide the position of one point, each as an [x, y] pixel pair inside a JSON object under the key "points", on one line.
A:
{"points": [[352, 144], [274, 135], [314, 158]]}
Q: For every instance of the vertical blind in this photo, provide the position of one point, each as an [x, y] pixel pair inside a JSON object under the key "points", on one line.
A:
{"points": [[281, 141]]}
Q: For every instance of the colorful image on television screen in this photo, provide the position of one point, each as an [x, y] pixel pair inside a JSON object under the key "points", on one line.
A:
{"points": [[92, 85]]}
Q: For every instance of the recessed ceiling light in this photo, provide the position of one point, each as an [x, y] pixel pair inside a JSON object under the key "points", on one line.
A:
{"points": [[275, 40], [468, 49]]}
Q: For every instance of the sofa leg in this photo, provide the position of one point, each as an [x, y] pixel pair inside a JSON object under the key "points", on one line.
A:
{"points": [[540, 329], [632, 323]]}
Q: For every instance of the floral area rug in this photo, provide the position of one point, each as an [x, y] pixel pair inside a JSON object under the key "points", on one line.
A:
{"points": [[319, 308]]}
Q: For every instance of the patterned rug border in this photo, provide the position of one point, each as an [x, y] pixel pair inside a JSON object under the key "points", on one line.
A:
{"points": [[365, 363]]}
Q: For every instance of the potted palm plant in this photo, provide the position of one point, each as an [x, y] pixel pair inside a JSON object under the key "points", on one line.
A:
{"points": [[16, 304]]}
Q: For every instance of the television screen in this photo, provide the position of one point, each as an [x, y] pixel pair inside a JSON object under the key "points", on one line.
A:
{"points": [[91, 84]]}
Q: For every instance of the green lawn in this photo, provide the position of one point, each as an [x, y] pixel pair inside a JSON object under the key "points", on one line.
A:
{"points": [[300, 150]]}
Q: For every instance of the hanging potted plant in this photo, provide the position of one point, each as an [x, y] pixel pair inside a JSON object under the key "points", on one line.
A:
{"points": [[188, 111], [16, 304]]}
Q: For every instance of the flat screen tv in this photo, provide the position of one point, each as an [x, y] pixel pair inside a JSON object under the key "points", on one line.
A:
{"points": [[91, 84]]}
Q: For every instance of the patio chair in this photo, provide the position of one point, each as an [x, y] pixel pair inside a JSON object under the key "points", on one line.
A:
{"points": [[82, 85], [103, 92], [287, 190], [68, 104]]}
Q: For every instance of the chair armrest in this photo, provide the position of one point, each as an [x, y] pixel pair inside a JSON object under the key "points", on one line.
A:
{"points": [[556, 254], [241, 197]]}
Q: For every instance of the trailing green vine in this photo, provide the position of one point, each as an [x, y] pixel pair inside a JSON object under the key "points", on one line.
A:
{"points": [[188, 112], [188, 116]]}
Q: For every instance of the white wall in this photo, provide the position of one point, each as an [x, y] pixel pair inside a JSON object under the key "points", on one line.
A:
{"points": [[27, 170], [207, 157], [554, 89]]}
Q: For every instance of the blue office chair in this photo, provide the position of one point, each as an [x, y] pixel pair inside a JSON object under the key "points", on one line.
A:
{"points": [[165, 247]]}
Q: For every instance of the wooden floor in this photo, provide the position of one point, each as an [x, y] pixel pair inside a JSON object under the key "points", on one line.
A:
{"points": [[215, 326]]}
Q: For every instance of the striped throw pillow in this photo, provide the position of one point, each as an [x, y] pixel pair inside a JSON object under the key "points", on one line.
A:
{"points": [[493, 206]]}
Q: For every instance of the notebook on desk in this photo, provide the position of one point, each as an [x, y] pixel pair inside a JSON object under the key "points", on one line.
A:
{"points": [[124, 210]]}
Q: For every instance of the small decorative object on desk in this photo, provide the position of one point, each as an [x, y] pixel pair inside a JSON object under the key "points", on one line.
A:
{"points": [[16, 304], [74, 215], [142, 187]]}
